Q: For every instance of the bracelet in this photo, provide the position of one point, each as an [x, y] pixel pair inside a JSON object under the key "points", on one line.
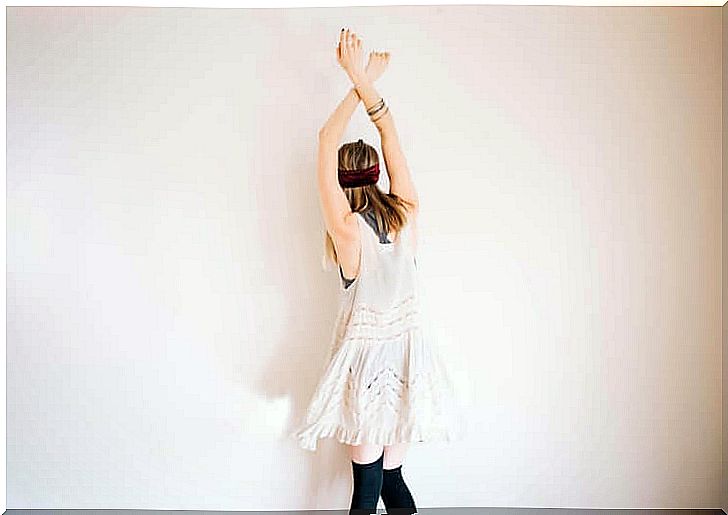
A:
{"points": [[376, 107], [379, 102], [386, 110], [375, 111]]}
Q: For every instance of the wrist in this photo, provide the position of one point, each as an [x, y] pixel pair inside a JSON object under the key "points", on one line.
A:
{"points": [[359, 79]]}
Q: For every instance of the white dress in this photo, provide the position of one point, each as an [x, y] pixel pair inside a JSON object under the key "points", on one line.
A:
{"points": [[383, 382]]}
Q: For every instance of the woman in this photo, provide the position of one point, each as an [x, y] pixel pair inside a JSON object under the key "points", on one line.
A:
{"points": [[383, 386]]}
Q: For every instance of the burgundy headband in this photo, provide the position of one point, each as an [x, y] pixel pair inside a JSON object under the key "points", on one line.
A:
{"points": [[362, 177]]}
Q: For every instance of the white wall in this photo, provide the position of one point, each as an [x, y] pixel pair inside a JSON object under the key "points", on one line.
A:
{"points": [[3, 357], [168, 317], [724, 45]]}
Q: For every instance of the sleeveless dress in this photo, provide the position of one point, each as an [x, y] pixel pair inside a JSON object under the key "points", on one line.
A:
{"points": [[383, 382]]}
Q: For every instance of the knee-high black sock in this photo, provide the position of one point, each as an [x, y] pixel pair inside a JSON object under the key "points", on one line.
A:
{"points": [[395, 494], [367, 486]]}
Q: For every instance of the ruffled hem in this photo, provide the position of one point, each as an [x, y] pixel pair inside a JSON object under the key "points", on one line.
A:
{"points": [[383, 393], [308, 437]]}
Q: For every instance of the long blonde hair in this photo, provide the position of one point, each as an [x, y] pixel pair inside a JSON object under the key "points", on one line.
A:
{"points": [[390, 210]]}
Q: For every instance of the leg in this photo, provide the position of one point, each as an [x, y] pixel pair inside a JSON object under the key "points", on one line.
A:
{"points": [[365, 453], [395, 493], [366, 465], [394, 454]]}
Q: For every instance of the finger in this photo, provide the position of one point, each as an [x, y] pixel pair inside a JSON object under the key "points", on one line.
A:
{"points": [[344, 40]]}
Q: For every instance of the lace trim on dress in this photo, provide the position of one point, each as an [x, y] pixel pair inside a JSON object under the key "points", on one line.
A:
{"points": [[367, 323], [384, 403]]}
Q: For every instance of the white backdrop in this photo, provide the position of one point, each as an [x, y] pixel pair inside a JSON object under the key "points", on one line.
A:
{"points": [[168, 316], [724, 14]]}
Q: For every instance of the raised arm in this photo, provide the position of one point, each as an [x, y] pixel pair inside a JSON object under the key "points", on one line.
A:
{"points": [[334, 204], [400, 179]]}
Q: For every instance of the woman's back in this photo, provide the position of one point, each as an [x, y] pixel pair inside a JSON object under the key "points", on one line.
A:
{"points": [[383, 382], [370, 218], [387, 271]]}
